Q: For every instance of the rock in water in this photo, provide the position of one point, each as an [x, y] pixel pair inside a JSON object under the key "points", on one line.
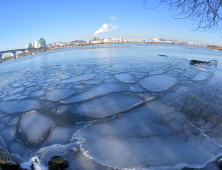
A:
{"points": [[219, 163], [194, 62], [8, 161], [58, 163], [33, 164]]}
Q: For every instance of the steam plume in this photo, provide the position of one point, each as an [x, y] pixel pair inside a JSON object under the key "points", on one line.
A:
{"points": [[106, 28]]}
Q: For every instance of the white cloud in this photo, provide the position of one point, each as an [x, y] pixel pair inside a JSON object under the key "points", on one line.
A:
{"points": [[113, 18]]}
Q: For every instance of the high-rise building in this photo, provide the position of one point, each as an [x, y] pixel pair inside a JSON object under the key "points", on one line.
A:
{"points": [[42, 42], [37, 44], [29, 45], [96, 38]]}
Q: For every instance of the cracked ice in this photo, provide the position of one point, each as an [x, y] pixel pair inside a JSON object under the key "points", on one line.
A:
{"points": [[114, 107]]}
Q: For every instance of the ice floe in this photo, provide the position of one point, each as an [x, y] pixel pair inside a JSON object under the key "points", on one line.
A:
{"points": [[99, 90], [106, 106], [17, 106], [126, 109], [79, 78], [158, 83], [153, 135], [59, 94], [125, 78], [35, 126]]}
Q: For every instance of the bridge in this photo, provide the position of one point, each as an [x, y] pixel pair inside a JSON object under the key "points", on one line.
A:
{"points": [[52, 48], [22, 50]]}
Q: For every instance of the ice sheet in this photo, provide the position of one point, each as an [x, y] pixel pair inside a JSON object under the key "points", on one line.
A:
{"points": [[106, 106]]}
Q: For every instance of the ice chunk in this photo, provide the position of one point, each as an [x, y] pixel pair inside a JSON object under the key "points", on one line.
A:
{"points": [[22, 97], [79, 78], [15, 147], [17, 90], [158, 83], [135, 88], [13, 97], [202, 76], [61, 135], [73, 155], [58, 94], [106, 106], [79, 86], [61, 110], [17, 84], [94, 81], [159, 71], [37, 93], [8, 133], [176, 97], [1, 115], [146, 96], [125, 78], [13, 121], [147, 137], [35, 126], [99, 90], [17, 106], [2, 126], [110, 80]]}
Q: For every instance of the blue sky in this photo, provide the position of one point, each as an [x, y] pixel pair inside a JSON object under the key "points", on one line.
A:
{"points": [[24, 21]]}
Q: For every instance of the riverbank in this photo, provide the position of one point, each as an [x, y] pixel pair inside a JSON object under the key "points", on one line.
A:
{"points": [[214, 47]]}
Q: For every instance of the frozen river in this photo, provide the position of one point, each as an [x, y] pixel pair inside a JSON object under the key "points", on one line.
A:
{"points": [[131, 106]]}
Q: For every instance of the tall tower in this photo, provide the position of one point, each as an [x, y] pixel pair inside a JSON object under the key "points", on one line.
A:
{"points": [[42, 42], [94, 38]]}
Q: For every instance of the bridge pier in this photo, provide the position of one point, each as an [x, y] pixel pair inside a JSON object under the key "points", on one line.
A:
{"points": [[14, 53], [23, 53], [0, 58], [30, 52], [35, 51]]}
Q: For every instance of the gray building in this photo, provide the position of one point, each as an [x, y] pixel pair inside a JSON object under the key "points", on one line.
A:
{"points": [[29, 45], [42, 42], [96, 38]]}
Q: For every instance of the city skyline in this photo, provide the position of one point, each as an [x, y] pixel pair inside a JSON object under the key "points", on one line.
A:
{"points": [[36, 44], [66, 22]]}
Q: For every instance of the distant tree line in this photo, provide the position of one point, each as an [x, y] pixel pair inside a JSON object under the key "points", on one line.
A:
{"points": [[206, 13]]}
